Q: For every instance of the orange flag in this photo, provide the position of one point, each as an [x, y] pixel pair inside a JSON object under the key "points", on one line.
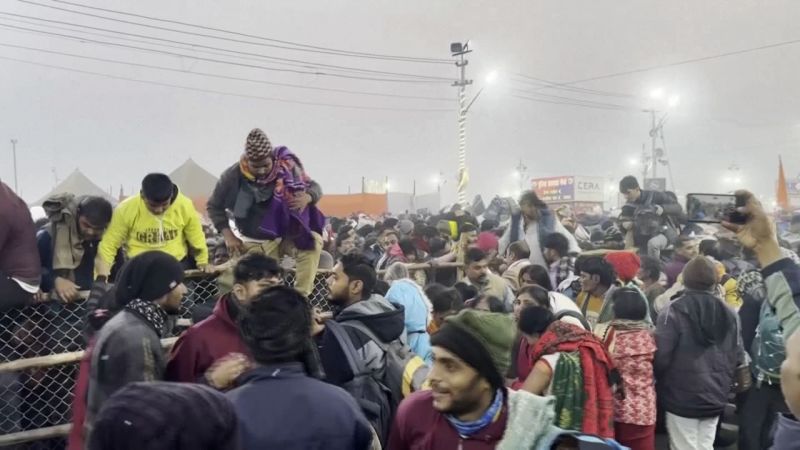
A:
{"points": [[782, 195]]}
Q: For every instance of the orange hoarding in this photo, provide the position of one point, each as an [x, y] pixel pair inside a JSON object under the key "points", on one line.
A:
{"points": [[346, 204]]}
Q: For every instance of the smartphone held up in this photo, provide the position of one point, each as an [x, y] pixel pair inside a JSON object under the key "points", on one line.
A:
{"points": [[715, 208]]}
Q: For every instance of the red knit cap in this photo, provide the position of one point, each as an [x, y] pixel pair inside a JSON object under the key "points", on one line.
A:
{"points": [[626, 264], [487, 241]]}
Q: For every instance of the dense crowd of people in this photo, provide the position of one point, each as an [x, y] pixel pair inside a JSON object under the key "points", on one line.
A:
{"points": [[444, 331]]}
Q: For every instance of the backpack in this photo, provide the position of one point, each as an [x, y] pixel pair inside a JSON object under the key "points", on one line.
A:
{"points": [[570, 313], [647, 222], [583, 441], [404, 371], [372, 397], [768, 349]]}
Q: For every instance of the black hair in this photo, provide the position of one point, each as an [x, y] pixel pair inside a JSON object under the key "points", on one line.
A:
{"points": [[495, 304], [276, 326], [437, 245], [710, 247], [381, 288], [428, 232], [530, 197], [467, 228], [344, 230], [407, 246], [539, 294], [628, 183], [255, 266], [391, 222], [628, 304], [358, 268], [683, 240], [651, 267], [520, 250], [96, 210], [535, 320], [365, 231], [489, 225], [341, 237], [465, 291], [157, 187], [596, 265], [557, 242], [474, 255], [443, 298], [538, 274]]}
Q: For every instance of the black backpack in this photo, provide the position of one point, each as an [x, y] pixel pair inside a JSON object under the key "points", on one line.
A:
{"points": [[371, 395]]}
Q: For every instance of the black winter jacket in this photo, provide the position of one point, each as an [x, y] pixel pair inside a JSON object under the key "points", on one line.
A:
{"points": [[695, 362], [228, 195]]}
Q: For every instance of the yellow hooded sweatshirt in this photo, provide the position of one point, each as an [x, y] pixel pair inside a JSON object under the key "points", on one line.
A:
{"points": [[134, 226]]}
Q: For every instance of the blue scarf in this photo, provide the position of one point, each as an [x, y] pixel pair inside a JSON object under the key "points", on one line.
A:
{"points": [[467, 429]]}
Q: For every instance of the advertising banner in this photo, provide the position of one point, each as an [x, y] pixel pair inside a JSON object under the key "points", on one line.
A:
{"points": [[555, 189]]}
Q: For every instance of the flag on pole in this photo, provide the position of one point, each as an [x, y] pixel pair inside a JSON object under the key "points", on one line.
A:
{"points": [[782, 195]]}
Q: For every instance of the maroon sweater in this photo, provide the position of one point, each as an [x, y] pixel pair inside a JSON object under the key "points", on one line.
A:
{"points": [[19, 256], [417, 426], [199, 347]]}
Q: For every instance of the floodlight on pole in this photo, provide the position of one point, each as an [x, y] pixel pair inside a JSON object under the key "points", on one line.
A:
{"points": [[657, 94], [492, 76]]}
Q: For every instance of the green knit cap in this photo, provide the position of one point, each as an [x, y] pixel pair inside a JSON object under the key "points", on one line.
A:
{"points": [[496, 331]]}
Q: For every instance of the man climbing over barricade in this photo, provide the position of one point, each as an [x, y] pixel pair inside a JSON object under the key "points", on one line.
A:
{"points": [[273, 203]]}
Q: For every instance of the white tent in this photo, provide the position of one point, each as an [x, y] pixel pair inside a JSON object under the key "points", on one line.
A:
{"points": [[193, 180], [78, 184]]}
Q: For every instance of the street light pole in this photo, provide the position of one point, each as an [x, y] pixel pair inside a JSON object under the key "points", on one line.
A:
{"points": [[460, 50], [14, 154], [653, 134]]}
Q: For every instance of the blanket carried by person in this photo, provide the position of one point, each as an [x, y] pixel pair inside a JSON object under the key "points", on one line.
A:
{"points": [[62, 211], [289, 179], [598, 374]]}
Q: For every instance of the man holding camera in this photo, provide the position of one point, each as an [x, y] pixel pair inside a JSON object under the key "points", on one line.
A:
{"points": [[652, 216]]}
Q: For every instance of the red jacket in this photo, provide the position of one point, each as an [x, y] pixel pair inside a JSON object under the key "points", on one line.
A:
{"points": [[199, 347], [76, 437], [417, 426]]}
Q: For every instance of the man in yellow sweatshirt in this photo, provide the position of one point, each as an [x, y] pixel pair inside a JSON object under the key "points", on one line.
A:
{"points": [[159, 218]]}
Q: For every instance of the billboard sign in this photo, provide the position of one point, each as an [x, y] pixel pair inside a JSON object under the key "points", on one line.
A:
{"points": [[590, 189], [555, 189]]}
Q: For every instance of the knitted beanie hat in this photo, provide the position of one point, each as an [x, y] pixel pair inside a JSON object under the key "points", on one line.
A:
{"points": [[482, 339], [626, 264], [165, 416], [258, 146], [148, 276]]}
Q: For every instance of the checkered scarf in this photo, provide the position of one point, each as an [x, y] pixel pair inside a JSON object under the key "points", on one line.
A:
{"points": [[152, 313]]}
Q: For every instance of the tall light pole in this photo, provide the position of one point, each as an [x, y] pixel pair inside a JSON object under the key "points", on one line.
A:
{"points": [[459, 50], [657, 127], [14, 155]]}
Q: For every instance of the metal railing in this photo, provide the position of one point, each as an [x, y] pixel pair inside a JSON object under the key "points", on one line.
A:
{"points": [[41, 346]]}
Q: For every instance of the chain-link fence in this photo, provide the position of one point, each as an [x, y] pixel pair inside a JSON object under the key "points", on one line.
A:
{"points": [[41, 397]]}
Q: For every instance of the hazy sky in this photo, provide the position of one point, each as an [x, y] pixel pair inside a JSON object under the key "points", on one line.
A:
{"points": [[741, 110]]}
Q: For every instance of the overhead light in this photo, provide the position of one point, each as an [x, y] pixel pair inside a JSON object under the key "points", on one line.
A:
{"points": [[458, 48], [491, 77], [657, 94]]}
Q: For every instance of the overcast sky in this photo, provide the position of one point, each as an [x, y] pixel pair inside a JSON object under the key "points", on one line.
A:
{"points": [[741, 110]]}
